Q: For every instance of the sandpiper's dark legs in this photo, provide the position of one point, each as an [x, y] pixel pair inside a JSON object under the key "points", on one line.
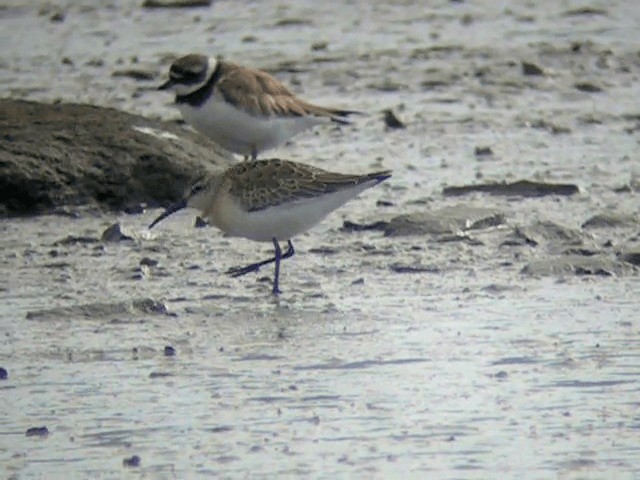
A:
{"points": [[254, 267], [276, 276]]}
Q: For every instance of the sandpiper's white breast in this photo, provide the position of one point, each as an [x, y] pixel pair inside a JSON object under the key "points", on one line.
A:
{"points": [[281, 222], [241, 132]]}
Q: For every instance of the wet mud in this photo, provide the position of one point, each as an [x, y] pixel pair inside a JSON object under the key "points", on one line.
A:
{"points": [[419, 333]]}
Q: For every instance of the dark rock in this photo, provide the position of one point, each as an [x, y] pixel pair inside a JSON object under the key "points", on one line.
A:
{"points": [[413, 268], [3, 374], [114, 234], [391, 120], [169, 351], [37, 432], [68, 154], [388, 85], [175, 3], [531, 69], [57, 17], [148, 262], [317, 46], [132, 461], [323, 251], [160, 374], [349, 226], [584, 11], [587, 87], [483, 151], [523, 188], [445, 221], [585, 252], [293, 22]]}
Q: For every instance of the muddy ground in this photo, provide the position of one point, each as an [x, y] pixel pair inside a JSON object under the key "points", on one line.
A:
{"points": [[465, 335]]}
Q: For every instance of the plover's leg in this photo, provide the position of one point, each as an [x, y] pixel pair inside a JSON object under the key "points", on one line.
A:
{"points": [[254, 153], [254, 267]]}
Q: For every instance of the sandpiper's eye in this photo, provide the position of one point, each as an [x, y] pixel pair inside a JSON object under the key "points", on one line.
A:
{"points": [[197, 189], [175, 74]]}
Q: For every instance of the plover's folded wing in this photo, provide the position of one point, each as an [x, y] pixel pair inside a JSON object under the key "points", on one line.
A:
{"points": [[260, 94]]}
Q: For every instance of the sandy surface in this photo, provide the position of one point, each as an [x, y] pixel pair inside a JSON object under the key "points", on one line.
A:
{"points": [[467, 369]]}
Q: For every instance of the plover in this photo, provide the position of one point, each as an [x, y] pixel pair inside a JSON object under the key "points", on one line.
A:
{"points": [[244, 110], [271, 201]]}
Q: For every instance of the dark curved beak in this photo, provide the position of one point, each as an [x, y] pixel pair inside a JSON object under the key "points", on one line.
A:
{"points": [[179, 205], [166, 85]]}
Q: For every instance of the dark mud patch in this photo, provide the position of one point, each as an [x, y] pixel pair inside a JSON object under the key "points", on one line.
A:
{"points": [[596, 265], [448, 220], [547, 232], [362, 364], [521, 188], [135, 308]]}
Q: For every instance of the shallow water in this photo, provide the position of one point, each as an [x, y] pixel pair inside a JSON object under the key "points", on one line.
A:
{"points": [[469, 369]]}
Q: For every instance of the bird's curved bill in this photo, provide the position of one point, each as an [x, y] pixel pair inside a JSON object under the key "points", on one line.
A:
{"points": [[166, 85], [169, 210]]}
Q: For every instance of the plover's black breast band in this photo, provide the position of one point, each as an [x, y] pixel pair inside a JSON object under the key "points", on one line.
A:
{"points": [[200, 96]]}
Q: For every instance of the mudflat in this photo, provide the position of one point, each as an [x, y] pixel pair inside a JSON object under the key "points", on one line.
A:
{"points": [[473, 317]]}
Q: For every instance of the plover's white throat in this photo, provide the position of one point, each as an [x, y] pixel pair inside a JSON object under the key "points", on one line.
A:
{"points": [[271, 201], [244, 110]]}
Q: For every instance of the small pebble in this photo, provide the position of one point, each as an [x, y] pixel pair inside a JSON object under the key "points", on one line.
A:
{"points": [[37, 432], [114, 234], [319, 46], [57, 17], [391, 120], [132, 461], [483, 151], [148, 262], [531, 69], [3, 373], [587, 87], [169, 351]]}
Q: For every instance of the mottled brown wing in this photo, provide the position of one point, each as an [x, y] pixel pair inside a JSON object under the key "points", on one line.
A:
{"points": [[266, 183]]}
